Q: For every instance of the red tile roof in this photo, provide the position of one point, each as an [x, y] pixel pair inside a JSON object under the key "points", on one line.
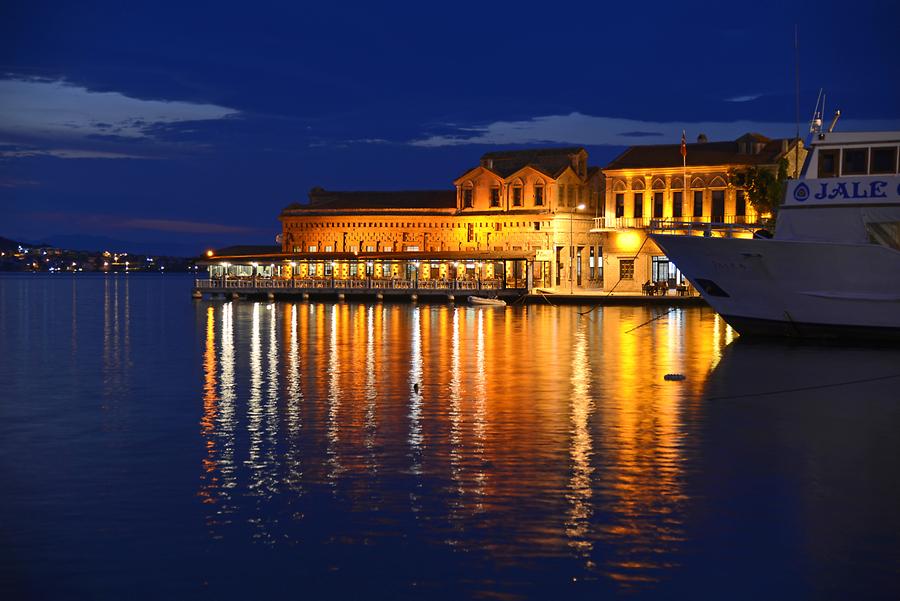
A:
{"points": [[319, 198], [740, 152]]}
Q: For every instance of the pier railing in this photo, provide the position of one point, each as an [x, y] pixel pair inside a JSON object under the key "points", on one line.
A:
{"points": [[350, 284]]}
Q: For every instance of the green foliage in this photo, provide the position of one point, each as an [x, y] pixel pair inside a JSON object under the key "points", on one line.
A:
{"points": [[765, 188]]}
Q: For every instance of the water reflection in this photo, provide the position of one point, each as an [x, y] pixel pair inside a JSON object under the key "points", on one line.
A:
{"points": [[462, 423]]}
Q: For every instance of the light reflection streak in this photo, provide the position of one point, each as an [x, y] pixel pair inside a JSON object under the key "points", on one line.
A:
{"points": [[455, 400], [208, 480], [580, 452], [226, 424], [334, 401], [480, 409], [254, 407], [415, 392], [371, 392], [293, 454]]}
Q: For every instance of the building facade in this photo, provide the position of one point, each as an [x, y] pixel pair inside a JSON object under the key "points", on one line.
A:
{"points": [[657, 188], [572, 226], [539, 201]]}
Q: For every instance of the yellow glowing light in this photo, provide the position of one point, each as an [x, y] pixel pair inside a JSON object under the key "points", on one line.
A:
{"points": [[209, 253], [628, 241]]}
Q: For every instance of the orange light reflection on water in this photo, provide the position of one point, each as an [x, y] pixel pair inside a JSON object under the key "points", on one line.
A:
{"points": [[538, 418]]}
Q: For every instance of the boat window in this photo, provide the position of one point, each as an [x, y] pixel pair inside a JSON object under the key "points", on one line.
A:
{"points": [[884, 160], [828, 163], [854, 161]]}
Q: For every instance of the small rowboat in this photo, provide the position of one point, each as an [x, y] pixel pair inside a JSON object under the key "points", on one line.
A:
{"points": [[481, 300]]}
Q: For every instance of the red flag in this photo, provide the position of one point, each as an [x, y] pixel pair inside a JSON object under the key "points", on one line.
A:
{"points": [[683, 145]]}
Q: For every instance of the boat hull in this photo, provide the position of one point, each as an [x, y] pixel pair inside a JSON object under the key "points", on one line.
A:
{"points": [[794, 288]]}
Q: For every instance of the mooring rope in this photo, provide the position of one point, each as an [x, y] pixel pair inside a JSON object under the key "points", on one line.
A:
{"points": [[801, 388]]}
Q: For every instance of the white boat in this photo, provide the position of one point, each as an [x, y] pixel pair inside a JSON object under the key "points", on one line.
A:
{"points": [[482, 300], [832, 268]]}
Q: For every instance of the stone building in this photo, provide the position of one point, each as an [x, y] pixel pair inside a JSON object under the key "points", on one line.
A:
{"points": [[537, 201], [653, 187]]}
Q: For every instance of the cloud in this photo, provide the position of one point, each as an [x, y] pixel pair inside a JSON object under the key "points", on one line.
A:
{"points": [[105, 223], [18, 183], [70, 153], [640, 134], [588, 130], [56, 116], [746, 98]]}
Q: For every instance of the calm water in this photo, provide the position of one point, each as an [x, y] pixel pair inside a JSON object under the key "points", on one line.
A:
{"points": [[155, 447]]}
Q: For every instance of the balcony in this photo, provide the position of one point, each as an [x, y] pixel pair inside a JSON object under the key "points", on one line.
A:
{"points": [[687, 224]]}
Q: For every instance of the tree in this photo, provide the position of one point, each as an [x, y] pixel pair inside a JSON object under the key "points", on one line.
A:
{"points": [[765, 187]]}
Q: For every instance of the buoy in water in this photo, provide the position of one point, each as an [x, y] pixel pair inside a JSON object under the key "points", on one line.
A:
{"points": [[674, 377]]}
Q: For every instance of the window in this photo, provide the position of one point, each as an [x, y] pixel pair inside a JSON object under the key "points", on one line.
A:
{"points": [[370, 249], [626, 269], [620, 205], [387, 248], [539, 196], [517, 196], [698, 203], [495, 197], [660, 269], [467, 198], [638, 205], [854, 161], [570, 194], [313, 248], [329, 268], [329, 248], [718, 206], [884, 160], [591, 262], [470, 232], [657, 204], [677, 203], [353, 270], [740, 203]]}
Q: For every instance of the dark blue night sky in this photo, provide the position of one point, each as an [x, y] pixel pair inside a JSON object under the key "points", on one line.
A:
{"points": [[186, 125]]}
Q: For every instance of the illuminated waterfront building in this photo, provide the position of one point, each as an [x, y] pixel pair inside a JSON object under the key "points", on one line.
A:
{"points": [[521, 219], [655, 187], [538, 202]]}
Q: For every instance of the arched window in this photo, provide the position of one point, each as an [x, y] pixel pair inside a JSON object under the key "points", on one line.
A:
{"points": [[539, 193], [677, 182], [619, 186], [658, 184], [717, 182], [698, 182], [637, 183], [467, 195], [517, 193]]}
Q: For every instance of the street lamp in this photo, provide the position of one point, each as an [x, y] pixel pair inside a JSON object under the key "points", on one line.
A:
{"points": [[572, 249]]}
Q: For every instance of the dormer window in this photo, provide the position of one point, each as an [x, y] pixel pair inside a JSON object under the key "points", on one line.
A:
{"points": [[517, 196], [495, 197], [467, 198], [539, 196]]}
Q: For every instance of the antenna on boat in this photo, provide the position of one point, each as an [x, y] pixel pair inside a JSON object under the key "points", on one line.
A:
{"points": [[837, 115], [815, 124], [797, 93]]}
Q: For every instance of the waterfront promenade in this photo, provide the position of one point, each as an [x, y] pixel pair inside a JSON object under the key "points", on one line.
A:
{"points": [[403, 290]]}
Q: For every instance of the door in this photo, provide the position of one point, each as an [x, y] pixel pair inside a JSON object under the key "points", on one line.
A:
{"points": [[718, 206]]}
